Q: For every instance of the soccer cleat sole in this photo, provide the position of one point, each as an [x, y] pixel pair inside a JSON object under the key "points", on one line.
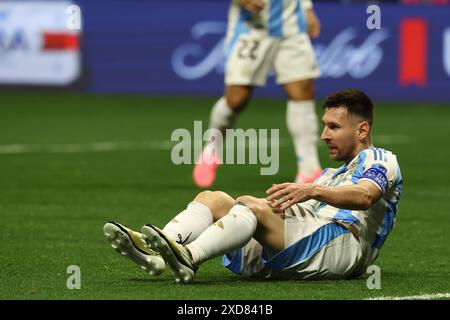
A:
{"points": [[182, 273], [121, 243]]}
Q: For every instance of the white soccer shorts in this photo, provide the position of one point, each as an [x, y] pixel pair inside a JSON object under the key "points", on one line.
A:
{"points": [[316, 248], [251, 56]]}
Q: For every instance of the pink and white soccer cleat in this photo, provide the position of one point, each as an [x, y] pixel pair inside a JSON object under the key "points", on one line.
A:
{"points": [[205, 170], [300, 178]]}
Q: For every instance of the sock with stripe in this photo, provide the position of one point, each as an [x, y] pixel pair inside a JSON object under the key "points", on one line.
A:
{"points": [[190, 223]]}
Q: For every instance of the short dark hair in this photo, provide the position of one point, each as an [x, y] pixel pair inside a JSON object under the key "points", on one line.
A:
{"points": [[356, 102]]}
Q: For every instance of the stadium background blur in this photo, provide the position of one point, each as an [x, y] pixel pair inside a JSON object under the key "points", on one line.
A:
{"points": [[86, 116]]}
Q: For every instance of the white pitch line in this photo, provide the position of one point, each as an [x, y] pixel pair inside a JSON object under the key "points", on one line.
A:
{"points": [[419, 297], [147, 145], [85, 148]]}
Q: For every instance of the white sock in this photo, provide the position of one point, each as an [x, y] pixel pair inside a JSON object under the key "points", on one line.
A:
{"points": [[190, 223], [303, 126], [231, 232], [222, 117]]}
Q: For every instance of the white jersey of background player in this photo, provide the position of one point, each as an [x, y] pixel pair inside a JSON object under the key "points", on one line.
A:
{"points": [[279, 19], [264, 35]]}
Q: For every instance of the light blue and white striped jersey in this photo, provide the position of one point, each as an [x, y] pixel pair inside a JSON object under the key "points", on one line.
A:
{"points": [[381, 168], [279, 18]]}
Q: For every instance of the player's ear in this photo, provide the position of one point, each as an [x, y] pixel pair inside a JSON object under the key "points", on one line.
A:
{"points": [[363, 130]]}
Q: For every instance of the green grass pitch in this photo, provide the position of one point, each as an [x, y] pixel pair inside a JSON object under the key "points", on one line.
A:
{"points": [[56, 194]]}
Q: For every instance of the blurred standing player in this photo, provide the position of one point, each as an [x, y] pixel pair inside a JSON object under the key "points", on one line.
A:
{"points": [[265, 34]]}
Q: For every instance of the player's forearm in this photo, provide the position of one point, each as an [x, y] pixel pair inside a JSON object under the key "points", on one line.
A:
{"points": [[345, 197]]}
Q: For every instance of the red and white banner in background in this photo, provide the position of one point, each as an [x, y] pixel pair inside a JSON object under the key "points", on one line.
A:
{"points": [[37, 44], [413, 51]]}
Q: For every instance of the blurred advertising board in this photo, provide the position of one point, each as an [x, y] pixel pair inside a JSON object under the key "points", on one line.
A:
{"points": [[39, 43], [176, 47], [166, 47]]}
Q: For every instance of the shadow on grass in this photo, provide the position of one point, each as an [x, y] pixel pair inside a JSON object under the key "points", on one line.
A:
{"points": [[230, 280]]}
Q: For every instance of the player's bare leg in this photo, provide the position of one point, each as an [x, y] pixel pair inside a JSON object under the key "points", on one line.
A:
{"points": [[222, 117], [270, 226], [303, 124], [206, 208], [249, 218], [220, 203]]}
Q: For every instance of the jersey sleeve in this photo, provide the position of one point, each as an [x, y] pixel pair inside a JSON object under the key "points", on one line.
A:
{"points": [[325, 176], [380, 168]]}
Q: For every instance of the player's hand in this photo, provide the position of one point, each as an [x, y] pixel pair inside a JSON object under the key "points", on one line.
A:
{"points": [[252, 5], [277, 211], [283, 196], [313, 23]]}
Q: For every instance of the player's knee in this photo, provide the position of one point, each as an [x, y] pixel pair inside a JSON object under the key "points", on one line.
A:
{"points": [[212, 196], [254, 204], [204, 195], [237, 99], [304, 90], [217, 201], [237, 103], [223, 197]]}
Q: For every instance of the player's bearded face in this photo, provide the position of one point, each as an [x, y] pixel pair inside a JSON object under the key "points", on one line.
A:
{"points": [[339, 133]]}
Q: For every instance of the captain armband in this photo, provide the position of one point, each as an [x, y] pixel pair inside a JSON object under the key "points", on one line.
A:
{"points": [[378, 176]]}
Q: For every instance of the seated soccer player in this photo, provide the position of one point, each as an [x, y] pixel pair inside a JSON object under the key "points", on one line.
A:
{"points": [[330, 229]]}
